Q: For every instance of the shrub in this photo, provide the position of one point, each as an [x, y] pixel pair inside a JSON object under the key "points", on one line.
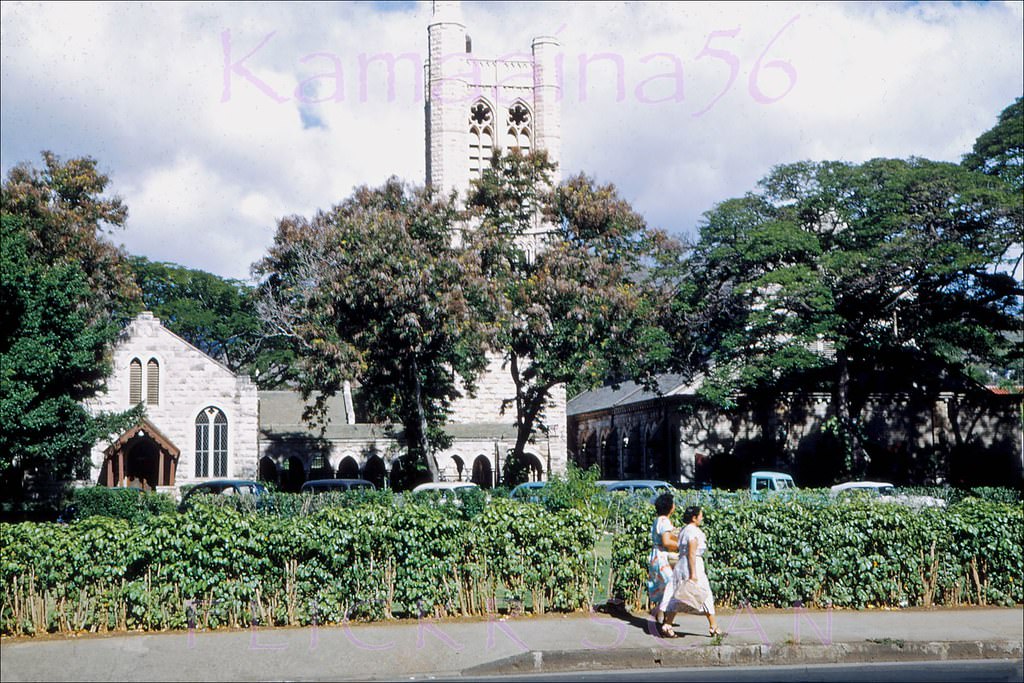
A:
{"points": [[132, 505], [847, 553], [217, 565]]}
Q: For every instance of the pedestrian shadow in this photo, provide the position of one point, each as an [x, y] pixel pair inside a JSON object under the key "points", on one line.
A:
{"points": [[644, 622]]}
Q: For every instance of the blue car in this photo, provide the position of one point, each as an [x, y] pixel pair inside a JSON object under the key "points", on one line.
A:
{"points": [[528, 492]]}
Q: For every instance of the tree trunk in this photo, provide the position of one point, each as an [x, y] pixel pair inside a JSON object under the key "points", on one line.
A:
{"points": [[527, 409], [422, 443], [852, 448]]}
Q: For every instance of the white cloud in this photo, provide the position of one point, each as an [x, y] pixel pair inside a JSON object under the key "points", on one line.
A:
{"points": [[140, 87]]}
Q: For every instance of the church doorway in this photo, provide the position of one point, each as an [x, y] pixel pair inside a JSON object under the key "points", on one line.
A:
{"points": [[374, 470], [268, 471], [294, 475], [482, 475], [141, 458], [142, 464], [349, 468]]}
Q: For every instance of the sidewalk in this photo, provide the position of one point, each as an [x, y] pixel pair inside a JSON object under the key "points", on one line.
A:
{"points": [[525, 644]]}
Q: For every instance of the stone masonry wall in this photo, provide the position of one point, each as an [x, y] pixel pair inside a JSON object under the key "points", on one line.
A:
{"points": [[190, 381]]}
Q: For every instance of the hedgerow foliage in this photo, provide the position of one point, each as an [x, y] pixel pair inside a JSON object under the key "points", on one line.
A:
{"points": [[379, 557], [128, 504], [218, 566], [856, 553]]}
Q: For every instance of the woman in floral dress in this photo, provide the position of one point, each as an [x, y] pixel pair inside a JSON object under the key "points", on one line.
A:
{"points": [[661, 583]]}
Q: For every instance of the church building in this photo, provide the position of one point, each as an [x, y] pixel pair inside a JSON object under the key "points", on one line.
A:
{"points": [[203, 421]]}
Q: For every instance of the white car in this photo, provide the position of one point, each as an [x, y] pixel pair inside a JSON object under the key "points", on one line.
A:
{"points": [[445, 486], [885, 492], [450, 490]]}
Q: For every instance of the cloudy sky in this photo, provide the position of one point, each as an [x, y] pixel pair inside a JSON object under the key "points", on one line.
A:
{"points": [[215, 120]]}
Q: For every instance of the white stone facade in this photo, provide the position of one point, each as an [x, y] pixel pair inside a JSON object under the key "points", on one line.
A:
{"points": [[187, 382], [475, 106]]}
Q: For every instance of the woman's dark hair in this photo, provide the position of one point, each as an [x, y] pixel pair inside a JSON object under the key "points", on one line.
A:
{"points": [[691, 514], [663, 503]]}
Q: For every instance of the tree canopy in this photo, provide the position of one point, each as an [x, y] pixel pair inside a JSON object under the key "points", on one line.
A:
{"points": [[63, 293], [566, 300], [376, 291], [216, 315], [1000, 150], [832, 266], [67, 218]]}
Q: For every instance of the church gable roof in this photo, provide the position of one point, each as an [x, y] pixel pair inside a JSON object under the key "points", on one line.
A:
{"points": [[147, 326], [145, 428]]}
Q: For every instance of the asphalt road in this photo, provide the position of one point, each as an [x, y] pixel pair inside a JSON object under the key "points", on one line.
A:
{"points": [[966, 671]]}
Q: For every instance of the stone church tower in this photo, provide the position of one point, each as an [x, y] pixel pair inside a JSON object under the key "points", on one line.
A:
{"points": [[475, 105]]}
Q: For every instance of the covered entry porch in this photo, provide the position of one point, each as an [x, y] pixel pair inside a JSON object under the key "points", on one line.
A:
{"points": [[141, 458]]}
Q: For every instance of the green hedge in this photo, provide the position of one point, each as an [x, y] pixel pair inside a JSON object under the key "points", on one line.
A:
{"points": [[854, 553], [216, 566], [129, 504], [994, 494], [314, 559]]}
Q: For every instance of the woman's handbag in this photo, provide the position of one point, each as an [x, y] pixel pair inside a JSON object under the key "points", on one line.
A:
{"points": [[673, 558], [693, 596]]}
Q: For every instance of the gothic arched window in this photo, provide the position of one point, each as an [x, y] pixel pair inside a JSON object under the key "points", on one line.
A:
{"points": [[153, 382], [135, 382], [211, 439], [481, 138], [520, 127]]}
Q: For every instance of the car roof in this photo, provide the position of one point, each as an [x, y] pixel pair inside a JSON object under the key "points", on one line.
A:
{"points": [[227, 482], [532, 485], [861, 485], [634, 483], [768, 473], [445, 485]]}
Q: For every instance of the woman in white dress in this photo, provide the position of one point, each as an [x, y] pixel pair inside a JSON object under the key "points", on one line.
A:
{"points": [[692, 544], [661, 584]]}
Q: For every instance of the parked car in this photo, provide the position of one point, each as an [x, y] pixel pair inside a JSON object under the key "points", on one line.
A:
{"points": [[337, 485], [445, 486], [645, 488], [222, 487], [686, 485], [763, 482], [529, 492], [449, 490], [872, 488], [884, 492]]}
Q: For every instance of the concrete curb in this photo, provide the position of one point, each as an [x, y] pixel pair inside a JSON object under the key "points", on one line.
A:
{"points": [[885, 650]]}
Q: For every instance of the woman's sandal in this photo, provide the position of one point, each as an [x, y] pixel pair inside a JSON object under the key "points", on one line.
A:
{"points": [[716, 631], [666, 631]]}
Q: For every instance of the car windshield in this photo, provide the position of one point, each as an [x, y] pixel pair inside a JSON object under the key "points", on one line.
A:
{"points": [[783, 484]]}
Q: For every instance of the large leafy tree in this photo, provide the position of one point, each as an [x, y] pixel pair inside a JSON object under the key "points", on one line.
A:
{"points": [[216, 315], [375, 291], [63, 292], [567, 304], [1000, 151], [888, 263], [67, 218]]}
